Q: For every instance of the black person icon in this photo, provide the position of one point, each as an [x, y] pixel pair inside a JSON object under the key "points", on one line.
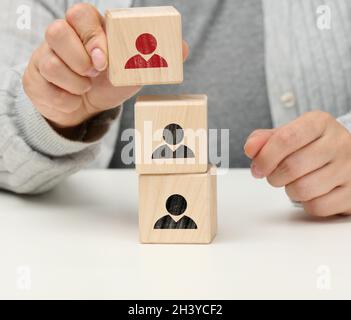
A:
{"points": [[173, 134], [176, 205]]}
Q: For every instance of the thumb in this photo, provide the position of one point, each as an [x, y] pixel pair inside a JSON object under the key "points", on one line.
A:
{"points": [[256, 141], [185, 50], [89, 26]]}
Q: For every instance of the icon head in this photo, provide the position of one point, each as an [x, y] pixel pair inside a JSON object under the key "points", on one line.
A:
{"points": [[173, 134], [176, 204], [146, 43]]}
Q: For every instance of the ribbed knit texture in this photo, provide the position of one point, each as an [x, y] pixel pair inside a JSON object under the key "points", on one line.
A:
{"points": [[313, 64]]}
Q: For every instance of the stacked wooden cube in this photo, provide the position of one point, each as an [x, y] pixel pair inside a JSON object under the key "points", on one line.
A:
{"points": [[177, 187]]}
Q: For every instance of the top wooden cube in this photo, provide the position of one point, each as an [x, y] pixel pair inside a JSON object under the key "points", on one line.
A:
{"points": [[145, 46]]}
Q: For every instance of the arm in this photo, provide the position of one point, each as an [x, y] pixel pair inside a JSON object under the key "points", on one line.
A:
{"points": [[57, 108], [36, 155]]}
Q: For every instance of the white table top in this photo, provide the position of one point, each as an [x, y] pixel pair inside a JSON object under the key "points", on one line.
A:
{"points": [[81, 241]]}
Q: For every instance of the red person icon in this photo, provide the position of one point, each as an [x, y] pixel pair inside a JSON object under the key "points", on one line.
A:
{"points": [[146, 44]]}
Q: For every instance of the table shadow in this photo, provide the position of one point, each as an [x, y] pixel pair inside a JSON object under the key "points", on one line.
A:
{"points": [[299, 216], [67, 196]]}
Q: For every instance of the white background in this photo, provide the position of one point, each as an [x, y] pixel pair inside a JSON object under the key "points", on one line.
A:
{"points": [[81, 241]]}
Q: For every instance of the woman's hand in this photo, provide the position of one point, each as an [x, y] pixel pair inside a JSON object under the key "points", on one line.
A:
{"points": [[66, 78], [311, 158]]}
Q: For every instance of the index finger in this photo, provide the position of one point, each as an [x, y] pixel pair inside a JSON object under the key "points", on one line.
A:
{"points": [[289, 139], [89, 26]]}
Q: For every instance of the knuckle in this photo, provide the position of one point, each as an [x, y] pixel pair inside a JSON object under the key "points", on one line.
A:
{"points": [[57, 101], [88, 36], [80, 11], [29, 86], [56, 30], [289, 167], [76, 11], [79, 90], [322, 117], [287, 171], [82, 68], [60, 99], [274, 181], [255, 132], [286, 136], [315, 208], [25, 80], [299, 190], [50, 66], [289, 192]]}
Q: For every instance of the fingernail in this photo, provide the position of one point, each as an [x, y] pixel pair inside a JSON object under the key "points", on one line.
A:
{"points": [[92, 73], [247, 153], [256, 172], [99, 59], [247, 150]]}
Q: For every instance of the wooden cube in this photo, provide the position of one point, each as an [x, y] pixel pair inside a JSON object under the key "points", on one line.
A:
{"points": [[171, 134], [145, 46], [180, 208]]}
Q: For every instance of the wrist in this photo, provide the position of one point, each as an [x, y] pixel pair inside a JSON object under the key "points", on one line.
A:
{"points": [[90, 130], [75, 133], [73, 130]]}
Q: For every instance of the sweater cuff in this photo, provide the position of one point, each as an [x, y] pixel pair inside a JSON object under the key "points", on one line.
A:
{"points": [[345, 120], [37, 132]]}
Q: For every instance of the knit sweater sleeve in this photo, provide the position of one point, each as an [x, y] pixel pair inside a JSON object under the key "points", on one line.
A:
{"points": [[33, 156]]}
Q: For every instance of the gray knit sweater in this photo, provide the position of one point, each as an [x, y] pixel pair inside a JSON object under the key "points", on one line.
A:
{"points": [[306, 68]]}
